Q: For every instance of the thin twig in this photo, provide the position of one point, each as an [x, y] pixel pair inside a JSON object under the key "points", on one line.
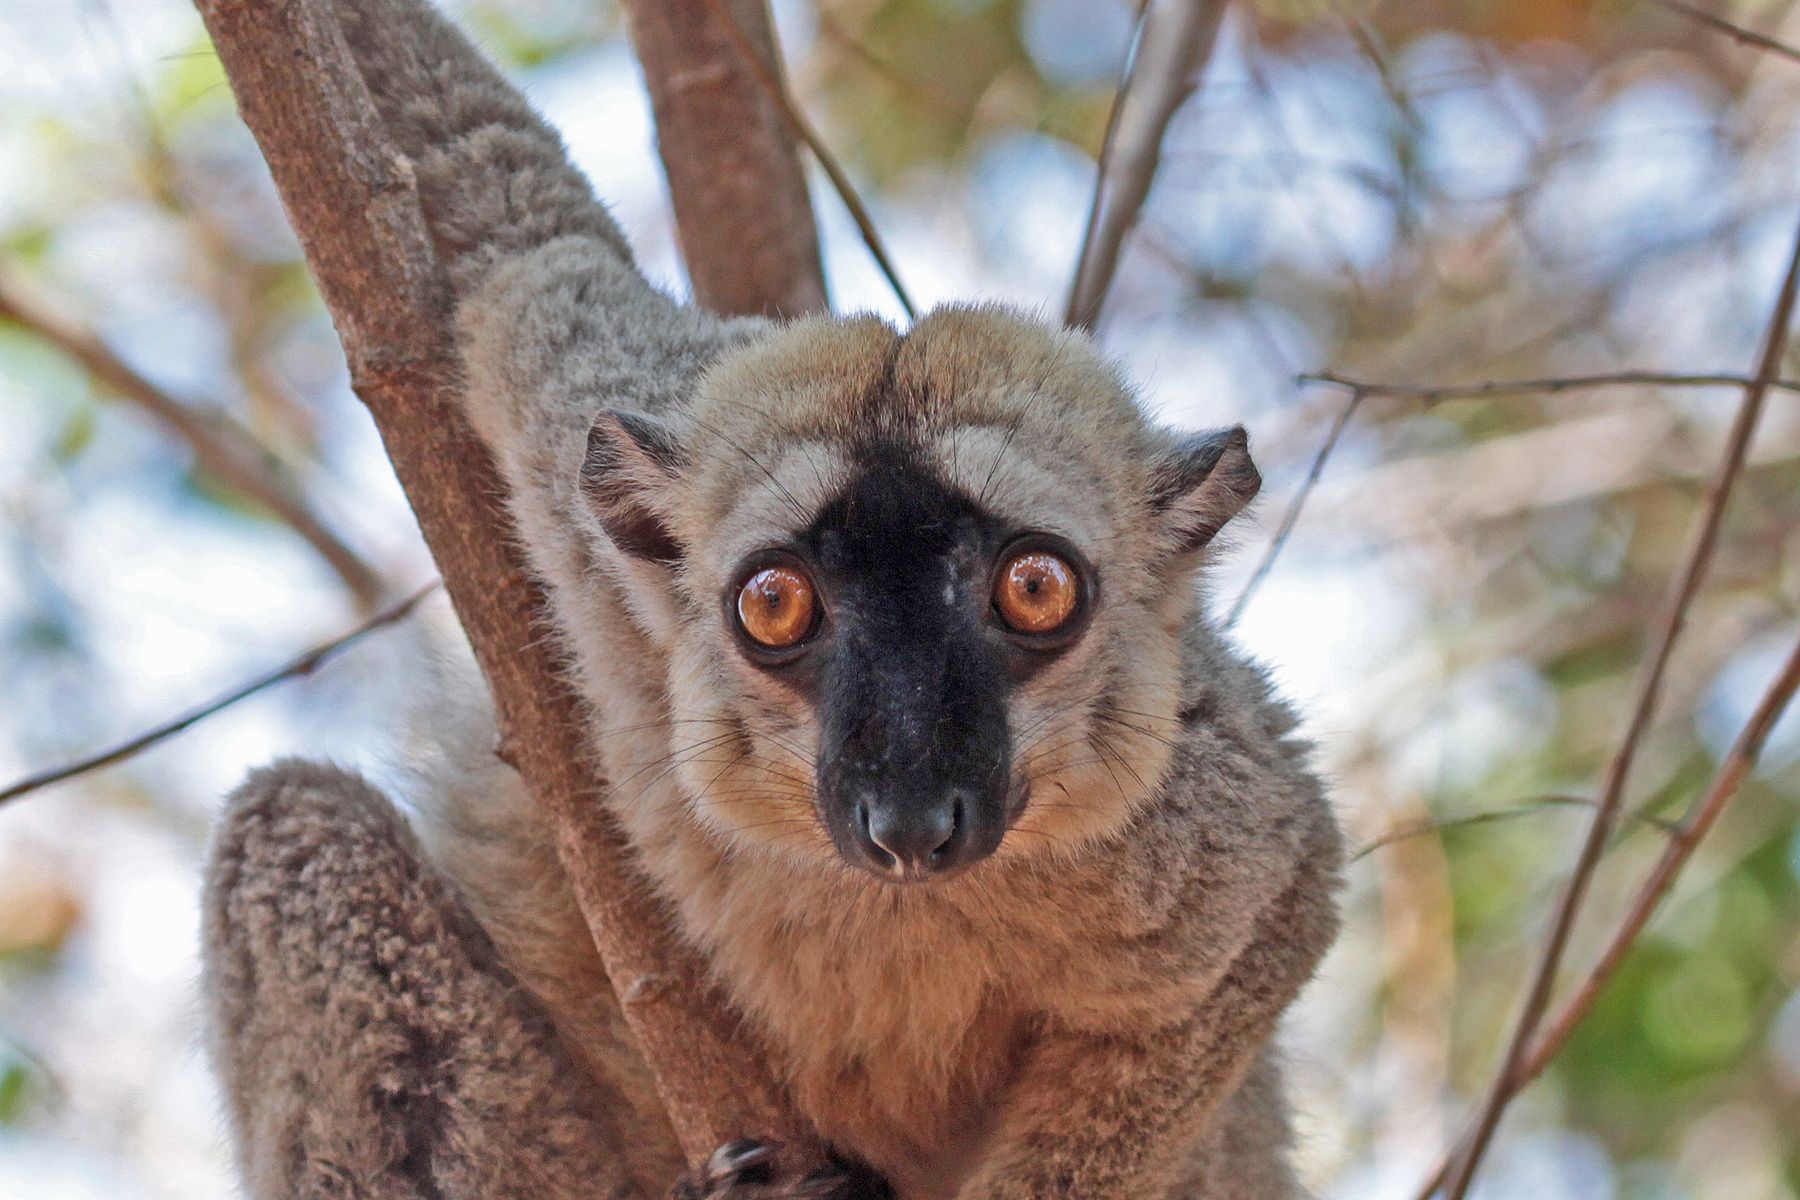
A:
{"points": [[220, 446], [1361, 390], [1558, 383], [1736, 32], [1542, 804], [1292, 516], [303, 665], [1700, 817], [1176, 40], [1668, 629], [1685, 837], [834, 171], [1108, 145]]}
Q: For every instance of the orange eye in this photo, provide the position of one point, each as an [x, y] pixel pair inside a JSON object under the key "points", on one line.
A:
{"points": [[777, 607], [1037, 592]]}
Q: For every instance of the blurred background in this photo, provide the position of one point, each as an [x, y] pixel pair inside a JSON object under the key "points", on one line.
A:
{"points": [[1430, 193]]}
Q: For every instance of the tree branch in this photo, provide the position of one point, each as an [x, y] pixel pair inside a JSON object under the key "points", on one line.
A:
{"points": [[305, 664], [1291, 517], [221, 447], [1171, 50], [1443, 825], [1668, 629], [1361, 390], [351, 199], [742, 209], [777, 94], [1685, 837], [1109, 144], [1738, 33], [1558, 383], [1700, 817]]}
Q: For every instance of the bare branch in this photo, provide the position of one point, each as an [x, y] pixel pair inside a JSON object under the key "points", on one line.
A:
{"points": [[1109, 140], [1171, 50], [741, 205], [1748, 37], [1540, 805], [1685, 837], [353, 202], [305, 664], [1558, 383], [1292, 516], [776, 92], [1668, 629], [1694, 825], [222, 448]]}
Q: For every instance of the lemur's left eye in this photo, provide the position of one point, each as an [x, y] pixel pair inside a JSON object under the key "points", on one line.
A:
{"points": [[778, 607], [1037, 592]]}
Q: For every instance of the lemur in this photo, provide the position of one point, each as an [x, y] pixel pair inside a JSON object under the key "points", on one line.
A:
{"points": [[896, 668]]}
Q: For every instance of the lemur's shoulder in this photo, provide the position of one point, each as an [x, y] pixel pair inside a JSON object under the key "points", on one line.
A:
{"points": [[1164, 905]]}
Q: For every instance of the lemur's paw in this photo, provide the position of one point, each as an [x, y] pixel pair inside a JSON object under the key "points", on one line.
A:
{"points": [[747, 1169]]}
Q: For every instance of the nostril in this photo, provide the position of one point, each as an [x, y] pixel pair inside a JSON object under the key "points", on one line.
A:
{"points": [[865, 821], [958, 822]]}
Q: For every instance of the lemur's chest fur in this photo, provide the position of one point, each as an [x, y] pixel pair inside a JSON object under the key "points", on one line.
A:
{"points": [[896, 1017], [899, 1017]]}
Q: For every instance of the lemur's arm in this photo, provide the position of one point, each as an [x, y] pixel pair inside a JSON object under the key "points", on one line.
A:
{"points": [[555, 321], [1120, 1114]]}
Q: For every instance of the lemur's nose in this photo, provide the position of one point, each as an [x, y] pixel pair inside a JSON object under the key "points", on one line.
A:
{"points": [[914, 840]]}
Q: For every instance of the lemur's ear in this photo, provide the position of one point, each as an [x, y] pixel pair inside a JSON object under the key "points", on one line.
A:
{"points": [[631, 462], [1201, 483]]}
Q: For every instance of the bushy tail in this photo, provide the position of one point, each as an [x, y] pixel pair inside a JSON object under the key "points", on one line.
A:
{"points": [[493, 177]]}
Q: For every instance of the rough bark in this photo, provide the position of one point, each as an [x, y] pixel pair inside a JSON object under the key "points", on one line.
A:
{"points": [[742, 210], [352, 201]]}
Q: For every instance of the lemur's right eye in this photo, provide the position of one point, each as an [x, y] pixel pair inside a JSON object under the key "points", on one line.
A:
{"points": [[778, 607], [1037, 592]]}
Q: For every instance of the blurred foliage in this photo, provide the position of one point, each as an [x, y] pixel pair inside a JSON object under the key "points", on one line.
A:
{"points": [[1438, 192]]}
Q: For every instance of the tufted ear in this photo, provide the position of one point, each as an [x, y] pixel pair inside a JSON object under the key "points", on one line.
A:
{"points": [[631, 465], [1201, 483]]}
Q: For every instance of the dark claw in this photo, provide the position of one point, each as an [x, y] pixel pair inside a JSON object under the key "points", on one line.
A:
{"points": [[748, 1169], [742, 1157]]}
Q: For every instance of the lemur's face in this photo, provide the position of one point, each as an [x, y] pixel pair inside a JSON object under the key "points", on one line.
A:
{"points": [[903, 619], [921, 596]]}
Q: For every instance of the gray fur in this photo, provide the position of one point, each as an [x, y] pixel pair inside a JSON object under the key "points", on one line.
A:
{"points": [[370, 1039], [1087, 1016]]}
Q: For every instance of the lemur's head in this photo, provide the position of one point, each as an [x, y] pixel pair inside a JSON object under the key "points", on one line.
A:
{"points": [[921, 595]]}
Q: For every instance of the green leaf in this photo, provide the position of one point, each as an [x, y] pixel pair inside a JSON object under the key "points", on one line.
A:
{"points": [[15, 1084], [76, 435]]}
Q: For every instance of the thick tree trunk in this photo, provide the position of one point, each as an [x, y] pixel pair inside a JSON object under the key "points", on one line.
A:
{"points": [[351, 198]]}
